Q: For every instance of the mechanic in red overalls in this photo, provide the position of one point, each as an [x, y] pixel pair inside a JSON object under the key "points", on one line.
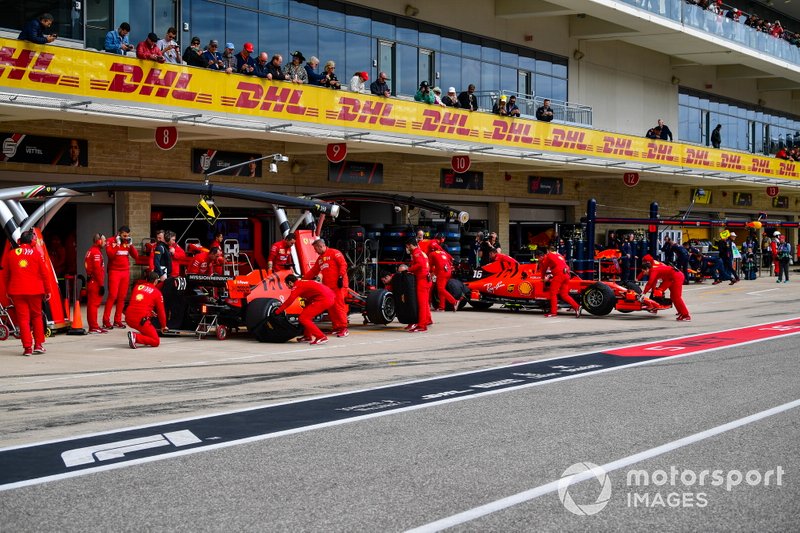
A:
{"points": [[146, 302], [280, 255], [670, 278], [555, 269], [318, 297], [441, 266], [419, 267], [95, 281], [25, 277], [204, 262], [118, 251], [497, 256], [332, 266]]}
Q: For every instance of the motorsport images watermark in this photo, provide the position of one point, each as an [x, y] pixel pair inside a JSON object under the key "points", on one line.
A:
{"points": [[673, 488]]}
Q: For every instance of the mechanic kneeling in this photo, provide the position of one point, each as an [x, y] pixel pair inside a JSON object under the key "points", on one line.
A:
{"points": [[146, 302], [318, 298]]}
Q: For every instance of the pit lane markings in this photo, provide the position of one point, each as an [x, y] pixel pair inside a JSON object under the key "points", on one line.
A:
{"points": [[760, 292], [553, 486], [53, 460]]}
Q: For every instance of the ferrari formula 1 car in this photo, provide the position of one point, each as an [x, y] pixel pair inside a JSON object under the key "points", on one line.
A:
{"points": [[522, 286]]}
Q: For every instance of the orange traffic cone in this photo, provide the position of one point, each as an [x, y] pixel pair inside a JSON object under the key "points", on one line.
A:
{"points": [[77, 321]]}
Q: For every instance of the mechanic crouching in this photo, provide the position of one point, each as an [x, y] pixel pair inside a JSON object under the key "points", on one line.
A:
{"points": [[318, 297], [556, 270], [671, 279], [146, 303], [332, 266]]}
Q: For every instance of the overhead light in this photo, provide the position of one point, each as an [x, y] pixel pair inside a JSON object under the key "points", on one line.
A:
{"points": [[675, 80], [411, 11], [578, 55]]}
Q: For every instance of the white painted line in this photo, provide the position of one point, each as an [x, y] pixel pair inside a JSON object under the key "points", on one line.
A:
{"points": [[73, 376], [105, 349], [759, 292], [548, 488]]}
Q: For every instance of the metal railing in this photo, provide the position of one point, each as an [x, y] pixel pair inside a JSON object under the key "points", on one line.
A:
{"points": [[563, 112]]}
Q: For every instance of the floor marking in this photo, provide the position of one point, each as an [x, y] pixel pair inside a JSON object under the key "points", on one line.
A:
{"points": [[32, 464], [759, 292], [73, 376], [541, 490]]}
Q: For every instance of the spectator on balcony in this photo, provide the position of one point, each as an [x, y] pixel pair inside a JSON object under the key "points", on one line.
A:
{"points": [[117, 40], [211, 57], [311, 71], [228, 58], [467, 99], [653, 133], [169, 48], [262, 65], [275, 70], [379, 87], [357, 82], [424, 94], [148, 50], [437, 96], [33, 30], [716, 136], [245, 64], [512, 109], [794, 153], [500, 106], [782, 153], [330, 80], [544, 112], [666, 134], [296, 71], [193, 55], [450, 99]]}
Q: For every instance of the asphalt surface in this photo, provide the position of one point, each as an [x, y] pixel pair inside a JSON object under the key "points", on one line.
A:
{"points": [[409, 469]]}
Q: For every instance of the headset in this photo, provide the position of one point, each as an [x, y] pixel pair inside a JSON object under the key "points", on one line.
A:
{"points": [[98, 239]]}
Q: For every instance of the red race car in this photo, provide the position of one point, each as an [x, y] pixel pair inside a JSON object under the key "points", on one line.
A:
{"points": [[522, 286]]}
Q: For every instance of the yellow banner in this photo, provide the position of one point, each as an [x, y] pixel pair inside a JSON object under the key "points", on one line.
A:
{"points": [[26, 67]]}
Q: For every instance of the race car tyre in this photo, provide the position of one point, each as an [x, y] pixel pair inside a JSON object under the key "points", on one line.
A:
{"points": [[380, 306], [267, 328], [480, 305], [599, 299], [404, 289], [3, 332], [222, 333], [457, 289]]}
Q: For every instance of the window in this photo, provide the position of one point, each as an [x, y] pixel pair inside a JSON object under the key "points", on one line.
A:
{"points": [[273, 35], [425, 72], [405, 76], [302, 37], [240, 27]]}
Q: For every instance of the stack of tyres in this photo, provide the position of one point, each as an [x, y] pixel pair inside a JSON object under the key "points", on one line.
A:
{"points": [[393, 242], [452, 240], [404, 289]]}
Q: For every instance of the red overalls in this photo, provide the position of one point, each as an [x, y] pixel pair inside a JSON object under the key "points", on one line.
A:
{"points": [[280, 255], [332, 265], [25, 274], [671, 279], [119, 277], [145, 300], [95, 279], [441, 267], [318, 299], [201, 264], [559, 284], [419, 267]]}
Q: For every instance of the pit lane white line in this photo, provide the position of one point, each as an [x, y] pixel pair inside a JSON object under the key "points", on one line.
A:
{"points": [[760, 292], [547, 488]]}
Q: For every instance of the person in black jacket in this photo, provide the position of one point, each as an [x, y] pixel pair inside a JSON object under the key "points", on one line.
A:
{"points": [[193, 55], [34, 29], [380, 87], [544, 112], [716, 136], [467, 99], [666, 134]]}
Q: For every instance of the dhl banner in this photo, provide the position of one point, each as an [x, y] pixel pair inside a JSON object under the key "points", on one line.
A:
{"points": [[26, 67]]}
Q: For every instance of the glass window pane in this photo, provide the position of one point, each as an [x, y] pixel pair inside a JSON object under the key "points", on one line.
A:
{"points": [[490, 51], [244, 3], [429, 37], [490, 78], [470, 47], [406, 31], [451, 42], [273, 35], [527, 63], [240, 27], [358, 58], [302, 37], [543, 86], [559, 89], [450, 69], [559, 69], [508, 79], [205, 21], [331, 14], [303, 10], [332, 46], [358, 19], [508, 56], [424, 68], [383, 25], [279, 7], [544, 66], [405, 81], [471, 73]]}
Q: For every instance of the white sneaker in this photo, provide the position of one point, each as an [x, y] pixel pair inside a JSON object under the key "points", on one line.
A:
{"points": [[132, 339]]}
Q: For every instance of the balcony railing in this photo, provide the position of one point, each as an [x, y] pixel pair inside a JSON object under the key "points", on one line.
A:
{"points": [[721, 26], [565, 112]]}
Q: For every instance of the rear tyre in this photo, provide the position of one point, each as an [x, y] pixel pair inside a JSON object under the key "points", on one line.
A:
{"points": [[480, 305], [380, 306], [599, 299], [3, 332], [269, 328]]}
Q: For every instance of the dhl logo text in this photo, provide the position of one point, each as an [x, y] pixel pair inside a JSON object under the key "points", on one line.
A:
{"points": [[514, 132], [730, 161], [617, 146], [760, 165], [569, 139], [370, 112], [445, 122], [787, 169], [132, 79], [276, 99], [660, 152], [697, 157], [29, 62]]}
